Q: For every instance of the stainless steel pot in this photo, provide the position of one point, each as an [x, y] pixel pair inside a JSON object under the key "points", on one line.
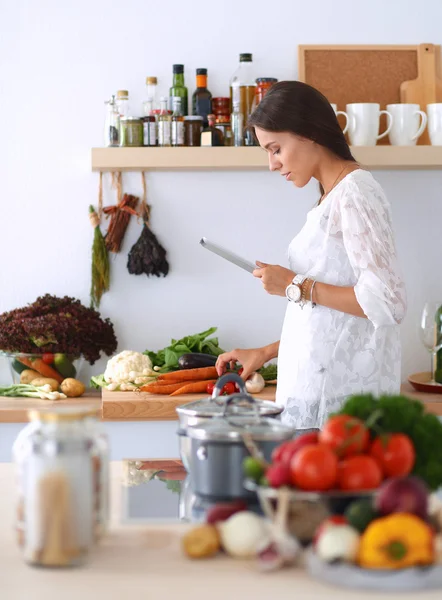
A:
{"points": [[218, 448], [202, 411]]}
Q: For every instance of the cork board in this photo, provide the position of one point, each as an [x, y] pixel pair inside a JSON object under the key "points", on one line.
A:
{"points": [[346, 74]]}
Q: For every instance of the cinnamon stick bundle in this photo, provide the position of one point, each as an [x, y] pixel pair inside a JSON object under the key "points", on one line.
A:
{"points": [[120, 215]]}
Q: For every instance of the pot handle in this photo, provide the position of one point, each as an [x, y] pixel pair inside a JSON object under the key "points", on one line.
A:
{"points": [[228, 377], [239, 398]]}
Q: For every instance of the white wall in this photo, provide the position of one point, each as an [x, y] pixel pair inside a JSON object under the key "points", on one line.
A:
{"points": [[59, 61]]}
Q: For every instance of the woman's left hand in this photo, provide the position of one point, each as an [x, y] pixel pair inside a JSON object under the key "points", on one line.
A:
{"points": [[274, 278]]}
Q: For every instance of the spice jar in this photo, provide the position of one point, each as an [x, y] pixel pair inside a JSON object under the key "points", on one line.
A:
{"points": [[221, 107], [54, 455], [223, 124], [131, 131], [149, 130], [263, 84], [193, 126]]}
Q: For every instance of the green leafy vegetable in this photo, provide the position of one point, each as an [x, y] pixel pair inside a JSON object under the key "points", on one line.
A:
{"points": [[394, 414], [98, 381], [269, 372], [167, 358]]}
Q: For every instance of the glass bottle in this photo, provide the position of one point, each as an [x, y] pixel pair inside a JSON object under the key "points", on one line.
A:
{"points": [[151, 96], [202, 98], [178, 89], [438, 359], [237, 124], [111, 124], [123, 103], [242, 86], [211, 136], [177, 133], [164, 124]]}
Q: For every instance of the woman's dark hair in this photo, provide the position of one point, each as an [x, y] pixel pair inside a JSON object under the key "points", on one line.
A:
{"points": [[301, 109]]}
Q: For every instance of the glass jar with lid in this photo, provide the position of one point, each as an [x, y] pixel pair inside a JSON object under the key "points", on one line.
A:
{"points": [[131, 131], [123, 103], [57, 475], [193, 126], [263, 84]]}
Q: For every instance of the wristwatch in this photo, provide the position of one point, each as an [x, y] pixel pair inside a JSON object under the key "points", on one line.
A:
{"points": [[293, 291]]}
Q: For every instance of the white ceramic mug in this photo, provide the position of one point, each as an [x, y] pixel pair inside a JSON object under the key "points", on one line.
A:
{"points": [[406, 128], [434, 112], [363, 123], [341, 112]]}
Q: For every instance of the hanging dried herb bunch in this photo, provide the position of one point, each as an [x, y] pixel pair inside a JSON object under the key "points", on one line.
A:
{"points": [[147, 255], [120, 216], [100, 271]]}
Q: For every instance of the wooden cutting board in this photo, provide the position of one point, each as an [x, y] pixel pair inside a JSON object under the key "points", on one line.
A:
{"points": [[427, 87], [133, 406]]}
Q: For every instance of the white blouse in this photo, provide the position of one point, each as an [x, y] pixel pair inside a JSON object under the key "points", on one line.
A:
{"points": [[326, 355]]}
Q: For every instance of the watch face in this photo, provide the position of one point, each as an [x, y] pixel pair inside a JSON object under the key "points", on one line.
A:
{"points": [[293, 293]]}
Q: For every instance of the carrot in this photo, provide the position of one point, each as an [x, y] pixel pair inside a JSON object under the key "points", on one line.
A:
{"points": [[193, 387], [153, 388], [190, 375], [38, 365]]}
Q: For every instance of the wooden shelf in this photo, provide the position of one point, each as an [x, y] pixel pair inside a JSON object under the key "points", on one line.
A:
{"points": [[167, 159]]}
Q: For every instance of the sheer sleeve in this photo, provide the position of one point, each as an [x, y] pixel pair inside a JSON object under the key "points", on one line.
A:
{"points": [[369, 242]]}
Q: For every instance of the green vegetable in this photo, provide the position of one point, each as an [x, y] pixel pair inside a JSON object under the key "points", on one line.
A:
{"points": [[269, 372], [252, 468], [98, 381], [399, 414], [18, 366], [29, 391], [360, 514], [64, 365], [167, 358]]}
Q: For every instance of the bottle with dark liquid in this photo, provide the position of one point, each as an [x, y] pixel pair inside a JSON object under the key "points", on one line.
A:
{"points": [[202, 98], [211, 136]]}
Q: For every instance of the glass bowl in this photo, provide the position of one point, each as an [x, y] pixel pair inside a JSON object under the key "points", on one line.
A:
{"points": [[306, 510], [61, 365]]}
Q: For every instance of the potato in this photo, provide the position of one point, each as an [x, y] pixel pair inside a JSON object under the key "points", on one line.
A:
{"points": [[28, 375], [72, 387], [39, 381]]}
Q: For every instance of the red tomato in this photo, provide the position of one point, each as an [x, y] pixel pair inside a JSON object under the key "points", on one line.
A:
{"points": [[240, 371], [345, 435], [333, 520], [359, 473], [314, 468], [47, 358], [229, 388], [209, 388], [286, 451], [394, 453]]}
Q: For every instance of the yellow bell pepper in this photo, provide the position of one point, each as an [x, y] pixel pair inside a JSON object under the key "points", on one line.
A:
{"points": [[395, 542]]}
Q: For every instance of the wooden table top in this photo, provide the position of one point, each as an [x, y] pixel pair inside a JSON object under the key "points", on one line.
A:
{"points": [[127, 406]]}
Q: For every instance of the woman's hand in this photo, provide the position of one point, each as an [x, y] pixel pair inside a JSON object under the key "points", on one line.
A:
{"points": [[251, 360], [274, 278]]}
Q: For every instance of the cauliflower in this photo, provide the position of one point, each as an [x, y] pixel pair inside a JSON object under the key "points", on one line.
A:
{"points": [[127, 366]]}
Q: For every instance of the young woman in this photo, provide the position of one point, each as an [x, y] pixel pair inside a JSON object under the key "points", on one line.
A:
{"points": [[345, 295]]}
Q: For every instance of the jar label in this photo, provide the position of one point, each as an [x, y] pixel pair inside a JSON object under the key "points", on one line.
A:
{"points": [[164, 133], [150, 133], [177, 133]]}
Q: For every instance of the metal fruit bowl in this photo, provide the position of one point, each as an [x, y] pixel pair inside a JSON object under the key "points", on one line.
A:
{"points": [[307, 510]]}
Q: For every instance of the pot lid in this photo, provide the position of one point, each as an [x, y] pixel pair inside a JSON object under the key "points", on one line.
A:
{"points": [[214, 406], [234, 427]]}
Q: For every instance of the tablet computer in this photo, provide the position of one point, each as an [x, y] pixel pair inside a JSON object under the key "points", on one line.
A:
{"points": [[227, 255]]}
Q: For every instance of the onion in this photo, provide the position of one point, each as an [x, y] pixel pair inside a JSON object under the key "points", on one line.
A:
{"points": [[403, 494], [243, 534]]}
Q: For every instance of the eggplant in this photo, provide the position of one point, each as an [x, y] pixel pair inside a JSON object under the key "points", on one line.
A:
{"points": [[196, 360]]}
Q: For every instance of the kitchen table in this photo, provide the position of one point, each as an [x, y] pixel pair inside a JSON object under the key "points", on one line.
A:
{"points": [[141, 558]]}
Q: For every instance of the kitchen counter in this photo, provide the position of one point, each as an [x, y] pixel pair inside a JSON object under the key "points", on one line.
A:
{"points": [[144, 560], [134, 427]]}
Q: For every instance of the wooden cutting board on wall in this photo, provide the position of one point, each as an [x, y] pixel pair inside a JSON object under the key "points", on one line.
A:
{"points": [[355, 73], [427, 87]]}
